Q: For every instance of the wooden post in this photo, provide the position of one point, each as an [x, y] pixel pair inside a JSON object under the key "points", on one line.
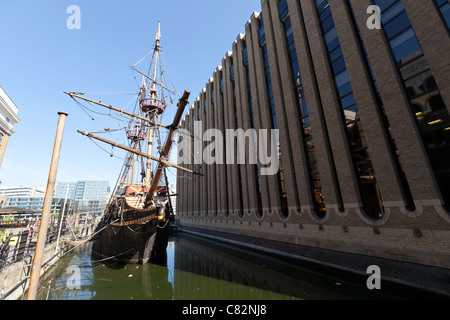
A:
{"points": [[42, 235]]}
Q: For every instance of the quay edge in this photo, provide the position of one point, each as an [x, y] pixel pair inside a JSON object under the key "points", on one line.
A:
{"points": [[417, 281]]}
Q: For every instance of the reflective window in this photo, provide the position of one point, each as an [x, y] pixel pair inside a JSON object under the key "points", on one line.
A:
{"points": [[362, 163], [444, 7], [426, 103]]}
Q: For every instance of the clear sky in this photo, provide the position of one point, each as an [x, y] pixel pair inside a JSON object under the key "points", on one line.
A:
{"points": [[40, 58]]}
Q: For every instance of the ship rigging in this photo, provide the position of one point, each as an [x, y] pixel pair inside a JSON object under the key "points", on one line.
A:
{"points": [[135, 222]]}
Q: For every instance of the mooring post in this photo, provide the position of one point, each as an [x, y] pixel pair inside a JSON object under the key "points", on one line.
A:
{"points": [[42, 235]]}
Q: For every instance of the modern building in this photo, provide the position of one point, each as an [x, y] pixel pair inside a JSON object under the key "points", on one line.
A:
{"points": [[22, 191], [364, 134], [63, 189], [32, 203], [92, 190], [8, 118], [89, 195], [83, 190]]}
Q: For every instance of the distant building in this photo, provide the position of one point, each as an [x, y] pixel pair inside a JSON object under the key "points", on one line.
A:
{"points": [[22, 191], [32, 203], [90, 195], [83, 190], [65, 188], [8, 118], [92, 190]]}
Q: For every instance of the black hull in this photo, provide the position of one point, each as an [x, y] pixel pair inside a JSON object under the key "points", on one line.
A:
{"points": [[131, 244]]}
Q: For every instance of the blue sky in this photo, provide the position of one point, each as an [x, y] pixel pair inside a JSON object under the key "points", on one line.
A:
{"points": [[40, 58]]}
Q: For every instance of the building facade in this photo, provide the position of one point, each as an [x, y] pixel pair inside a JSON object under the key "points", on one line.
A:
{"points": [[90, 195], [83, 190], [22, 191], [33, 203], [362, 108], [8, 118], [63, 189]]}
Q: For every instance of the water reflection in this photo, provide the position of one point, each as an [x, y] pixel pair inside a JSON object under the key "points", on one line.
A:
{"points": [[193, 270]]}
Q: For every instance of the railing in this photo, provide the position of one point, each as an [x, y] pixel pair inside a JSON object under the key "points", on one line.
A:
{"points": [[16, 244]]}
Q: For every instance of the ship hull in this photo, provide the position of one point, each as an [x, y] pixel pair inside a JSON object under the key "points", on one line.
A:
{"points": [[131, 244]]}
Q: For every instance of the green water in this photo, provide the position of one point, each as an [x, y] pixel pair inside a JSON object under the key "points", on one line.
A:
{"points": [[194, 270]]}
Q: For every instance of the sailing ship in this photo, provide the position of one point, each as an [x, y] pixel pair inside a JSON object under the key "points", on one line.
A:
{"points": [[134, 228]]}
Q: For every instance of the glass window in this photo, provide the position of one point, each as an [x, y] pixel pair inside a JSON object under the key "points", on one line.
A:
{"points": [[427, 105], [404, 44], [283, 8], [444, 7]]}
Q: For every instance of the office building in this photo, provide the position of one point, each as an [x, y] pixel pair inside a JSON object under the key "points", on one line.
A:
{"points": [[364, 133], [22, 191]]}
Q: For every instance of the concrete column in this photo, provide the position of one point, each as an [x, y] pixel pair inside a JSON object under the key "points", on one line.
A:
{"points": [[248, 195], [205, 168], [287, 149], [226, 125], [190, 200], [411, 150], [324, 155], [199, 167], [220, 168], [292, 114], [195, 178], [270, 193], [332, 109], [212, 167], [232, 170], [376, 135]]}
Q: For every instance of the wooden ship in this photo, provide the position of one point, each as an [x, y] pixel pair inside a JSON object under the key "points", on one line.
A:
{"points": [[135, 224]]}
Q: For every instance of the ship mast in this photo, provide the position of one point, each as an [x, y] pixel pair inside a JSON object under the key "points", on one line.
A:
{"points": [[153, 91], [150, 107]]}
